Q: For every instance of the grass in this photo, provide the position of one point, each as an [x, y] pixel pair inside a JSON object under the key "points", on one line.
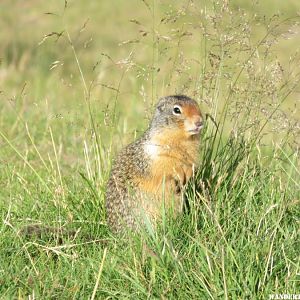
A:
{"points": [[81, 81]]}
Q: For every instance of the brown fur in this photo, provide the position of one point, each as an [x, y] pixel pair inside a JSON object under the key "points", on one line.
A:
{"points": [[151, 181]]}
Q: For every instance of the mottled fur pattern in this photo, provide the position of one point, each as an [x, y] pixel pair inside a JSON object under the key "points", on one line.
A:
{"points": [[131, 163], [151, 172]]}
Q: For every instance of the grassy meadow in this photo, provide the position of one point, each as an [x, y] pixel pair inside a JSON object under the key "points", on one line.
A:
{"points": [[79, 80]]}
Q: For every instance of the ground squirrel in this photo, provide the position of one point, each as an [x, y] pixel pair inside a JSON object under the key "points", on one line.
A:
{"points": [[151, 173]]}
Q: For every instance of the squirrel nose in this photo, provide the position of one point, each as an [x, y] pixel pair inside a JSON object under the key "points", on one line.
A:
{"points": [[199, 124]]}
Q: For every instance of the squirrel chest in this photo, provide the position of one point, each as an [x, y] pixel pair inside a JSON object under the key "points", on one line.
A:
{"points": [[173, 158]]}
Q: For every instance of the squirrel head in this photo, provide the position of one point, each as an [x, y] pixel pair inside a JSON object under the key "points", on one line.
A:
{"points": [[178, 112]]}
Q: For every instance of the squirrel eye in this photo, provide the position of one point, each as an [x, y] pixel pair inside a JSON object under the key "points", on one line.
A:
{"points": [[176, 110]]}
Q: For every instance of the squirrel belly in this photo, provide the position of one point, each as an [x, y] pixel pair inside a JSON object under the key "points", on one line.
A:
{"points": [[173, 162]]}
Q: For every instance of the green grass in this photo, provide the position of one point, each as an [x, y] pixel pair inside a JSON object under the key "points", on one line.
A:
{"points": [[68, 105]]}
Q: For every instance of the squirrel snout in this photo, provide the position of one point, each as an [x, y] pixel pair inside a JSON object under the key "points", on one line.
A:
{"points": [[199, 124], [194, 126]]}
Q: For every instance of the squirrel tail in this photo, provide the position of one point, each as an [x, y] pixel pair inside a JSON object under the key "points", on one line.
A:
{"points": [[37, 230]]}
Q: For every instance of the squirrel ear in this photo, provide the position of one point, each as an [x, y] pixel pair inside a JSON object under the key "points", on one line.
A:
{"points": [[160, 107]]}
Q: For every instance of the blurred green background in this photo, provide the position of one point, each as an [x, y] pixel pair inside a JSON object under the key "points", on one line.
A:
{"points": [[130, 53]]}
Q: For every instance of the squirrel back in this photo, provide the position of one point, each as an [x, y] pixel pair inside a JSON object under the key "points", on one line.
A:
{"points": [[151, 172]]}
